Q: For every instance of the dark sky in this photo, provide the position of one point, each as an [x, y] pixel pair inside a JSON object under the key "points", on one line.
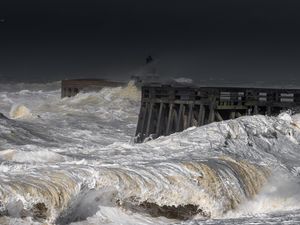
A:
{"points": [[213, 39]]}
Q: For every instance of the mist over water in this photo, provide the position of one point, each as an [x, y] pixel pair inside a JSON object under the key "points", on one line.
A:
{"points": [[73, 161]]}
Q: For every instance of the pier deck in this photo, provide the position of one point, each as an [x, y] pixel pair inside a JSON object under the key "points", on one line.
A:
{"points": [[166, 109]]}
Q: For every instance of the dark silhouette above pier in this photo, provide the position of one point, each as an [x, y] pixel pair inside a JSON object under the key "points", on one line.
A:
{"points": [[149, 59], [166, 109]]}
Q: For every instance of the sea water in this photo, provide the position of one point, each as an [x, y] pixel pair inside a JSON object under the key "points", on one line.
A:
{"points": [[73, 161]]}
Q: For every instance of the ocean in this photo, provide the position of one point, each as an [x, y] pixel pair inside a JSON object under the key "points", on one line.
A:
{"points": [[74, 161]]}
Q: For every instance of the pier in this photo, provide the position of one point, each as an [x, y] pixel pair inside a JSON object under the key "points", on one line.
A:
{"points": [[166, 109], [71, 88]]}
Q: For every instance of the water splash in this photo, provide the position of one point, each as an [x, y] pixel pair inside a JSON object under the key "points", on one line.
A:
{"points": [[20, 112]]}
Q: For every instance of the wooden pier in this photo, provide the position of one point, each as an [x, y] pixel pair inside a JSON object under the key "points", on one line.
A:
{"points": [[166, 109], [71, 88]]}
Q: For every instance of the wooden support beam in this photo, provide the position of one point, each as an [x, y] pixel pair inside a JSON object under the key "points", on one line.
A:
{"points": [[184, 121], [232, 115], [201, 115], [181, 107], [149, 120], [174, 121], [211, 117], [161, 106], [190, 115], [238, 114], [139, 125], [143, 121], [269, 110], [255, 111], [170, 116], [195, 117], [218, 116], [164, 119]]}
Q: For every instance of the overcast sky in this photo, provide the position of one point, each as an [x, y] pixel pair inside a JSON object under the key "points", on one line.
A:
{"points": [[213, 39]]}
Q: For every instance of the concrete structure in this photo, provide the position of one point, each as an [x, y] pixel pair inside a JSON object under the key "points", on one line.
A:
{"points": [[72, 87], [166, 109]]}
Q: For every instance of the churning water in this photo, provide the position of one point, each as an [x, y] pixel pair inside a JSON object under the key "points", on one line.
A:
{"points": [[73, 161]]}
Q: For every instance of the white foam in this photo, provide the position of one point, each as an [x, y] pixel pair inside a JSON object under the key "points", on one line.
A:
{"points": [[20, 112], [282, 193], [80, 146], [38, 156], [7, 154]]}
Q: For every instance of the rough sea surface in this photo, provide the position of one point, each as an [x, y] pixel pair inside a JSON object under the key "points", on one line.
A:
{"points": [[73, 161]]}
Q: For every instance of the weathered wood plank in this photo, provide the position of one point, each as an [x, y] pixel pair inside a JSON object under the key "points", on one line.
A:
{"points": [[143, 121], [218, 116], [201, 115], [189, 122], [169, 118], [179, 119], [149, 120], [269, 111], [232, 115], [238, 114], [255, 111], [211, 117], [159, 119]]}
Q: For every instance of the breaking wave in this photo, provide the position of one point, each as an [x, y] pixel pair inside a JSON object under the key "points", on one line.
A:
{"points": [[74, 162], [177, 191]]}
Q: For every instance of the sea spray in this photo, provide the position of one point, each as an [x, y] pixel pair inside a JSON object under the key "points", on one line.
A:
{"points": [[76, 158]]}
